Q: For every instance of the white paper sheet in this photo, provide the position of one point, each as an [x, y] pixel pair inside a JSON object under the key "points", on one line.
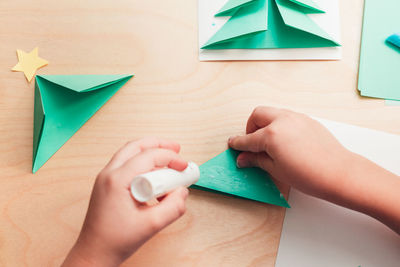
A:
{"points": [[318, 233], [208, 25]]}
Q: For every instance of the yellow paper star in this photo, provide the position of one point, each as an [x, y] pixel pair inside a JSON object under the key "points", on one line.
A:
{"points": [[29, 63]]}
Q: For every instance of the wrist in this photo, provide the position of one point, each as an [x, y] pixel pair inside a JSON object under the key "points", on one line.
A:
{"points": [[336, 184], [345, 186], [369, 189], [85, 253], [352, 186]]}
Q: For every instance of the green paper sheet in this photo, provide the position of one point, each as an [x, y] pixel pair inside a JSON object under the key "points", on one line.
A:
{"points": [[231, 7], [379, 73], [63, 103], [221, 175], [279, 24]]}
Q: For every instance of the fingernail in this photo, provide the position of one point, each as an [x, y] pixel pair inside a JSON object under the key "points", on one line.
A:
{"points": [[230, 139], [241, 163]]}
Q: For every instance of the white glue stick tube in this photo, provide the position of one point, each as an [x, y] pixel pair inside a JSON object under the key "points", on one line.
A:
{"points": [[148, 186]]}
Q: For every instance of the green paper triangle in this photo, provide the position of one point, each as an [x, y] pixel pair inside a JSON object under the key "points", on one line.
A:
{"points": [[308, 6], [220, 174], [288, 27], [231, 7], [38, 119], [295, 18], [83, 83], [247, 21], [63, 104]]}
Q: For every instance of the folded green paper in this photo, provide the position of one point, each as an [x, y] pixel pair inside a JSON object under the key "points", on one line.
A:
{"points": [[63, 103], [247, 21], [220, 174], [232, 6], [308, 6], [261, 24]]}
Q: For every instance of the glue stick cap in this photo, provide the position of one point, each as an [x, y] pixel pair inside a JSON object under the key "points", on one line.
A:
{"points": [[157, 183]]}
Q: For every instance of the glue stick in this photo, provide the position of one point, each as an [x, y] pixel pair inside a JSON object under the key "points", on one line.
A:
{"points": [[148, 186]]}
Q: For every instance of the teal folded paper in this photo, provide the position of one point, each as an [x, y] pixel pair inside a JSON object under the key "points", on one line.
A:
{"points": [[379, 62], [63, 103], [221, 175], [257, 24], [308, 6], [232, 6], [247, 21]]}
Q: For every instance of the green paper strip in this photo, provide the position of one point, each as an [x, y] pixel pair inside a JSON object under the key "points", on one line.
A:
{"points": [[379, 63], [63, 103], [38, 119], [308, 6], [84, 83], [231, 7], [220, 174]]}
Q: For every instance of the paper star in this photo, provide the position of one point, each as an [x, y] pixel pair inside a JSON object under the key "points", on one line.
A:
{"points": [[29, 63]]}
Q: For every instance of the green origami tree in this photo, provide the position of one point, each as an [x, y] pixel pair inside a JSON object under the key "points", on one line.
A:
{"points": [[269, 24], [221, 175], [63, 103]]}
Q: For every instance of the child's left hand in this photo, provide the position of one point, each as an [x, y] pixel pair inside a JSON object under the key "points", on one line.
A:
{"points": [[116, 225]]}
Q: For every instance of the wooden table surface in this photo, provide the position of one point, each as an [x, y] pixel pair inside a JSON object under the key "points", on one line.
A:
{"points": [[173, 95]]}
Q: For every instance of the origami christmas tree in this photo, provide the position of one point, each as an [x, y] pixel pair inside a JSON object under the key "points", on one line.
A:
{"points": [[221, 175], [269, 24], [63, 103]]}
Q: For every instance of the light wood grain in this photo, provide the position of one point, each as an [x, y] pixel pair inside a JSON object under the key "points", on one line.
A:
{"points": [[199, 104]]}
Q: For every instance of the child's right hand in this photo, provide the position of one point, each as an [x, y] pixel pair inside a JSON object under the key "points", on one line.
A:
{"points": [[116, 225], [294, 149]]}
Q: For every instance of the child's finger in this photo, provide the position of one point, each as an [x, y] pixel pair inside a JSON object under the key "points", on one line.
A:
{"points": [[262, 117], [261, 160], [253, 142], [135, 147], [148, 161], [168, 210]]}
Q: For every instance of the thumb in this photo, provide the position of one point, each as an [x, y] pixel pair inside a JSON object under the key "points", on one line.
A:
{"points": [[169, 209], [261, 160]]}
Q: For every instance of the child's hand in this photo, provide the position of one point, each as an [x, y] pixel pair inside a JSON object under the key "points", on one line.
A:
{"points": [[116, 225], [299, 151], [294, 149]]}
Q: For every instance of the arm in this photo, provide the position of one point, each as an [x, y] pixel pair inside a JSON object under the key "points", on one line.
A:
{"points": [[300, 152], [116, 225], [372, 190]]}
